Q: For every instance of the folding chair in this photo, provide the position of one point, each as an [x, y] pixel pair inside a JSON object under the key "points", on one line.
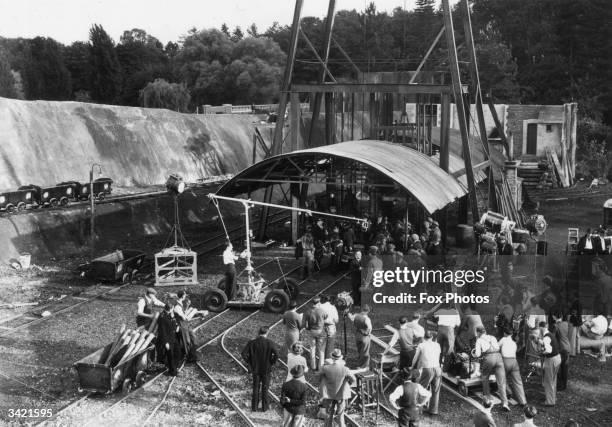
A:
{"points": [[390, 376]]}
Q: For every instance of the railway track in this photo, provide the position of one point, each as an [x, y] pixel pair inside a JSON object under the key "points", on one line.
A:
{"points": [[202, 248], [103, 415], [113, 199], [232, 396]]}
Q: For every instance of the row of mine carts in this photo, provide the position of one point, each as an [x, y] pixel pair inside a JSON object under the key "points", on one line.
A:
{"points": [[32, 196]]}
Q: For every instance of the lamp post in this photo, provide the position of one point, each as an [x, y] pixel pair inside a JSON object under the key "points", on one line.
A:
{"points": [[91, 198]]}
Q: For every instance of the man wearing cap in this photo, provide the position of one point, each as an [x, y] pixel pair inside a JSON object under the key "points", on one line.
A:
{"points": [[145, 315], [427, 359], [260, 354], [168, 347], [363, 329], [487, 347], [293, 398], [408, 335], [408, 398], [336, 379]]}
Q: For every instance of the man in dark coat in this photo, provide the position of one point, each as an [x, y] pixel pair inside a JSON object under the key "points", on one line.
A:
{"points": [[355, 271], [293, 398], [260, 354], [168, 347]]}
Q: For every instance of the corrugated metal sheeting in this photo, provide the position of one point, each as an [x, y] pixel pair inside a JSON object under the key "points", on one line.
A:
{"points": [[416, 172]]}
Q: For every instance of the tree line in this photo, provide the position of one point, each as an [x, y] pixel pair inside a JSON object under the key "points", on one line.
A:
{"points": [[544, 52]]}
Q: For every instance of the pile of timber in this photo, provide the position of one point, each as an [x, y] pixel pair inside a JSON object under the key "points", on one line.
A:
{"points": [[130, 342], [506, 204], [559, 172]]}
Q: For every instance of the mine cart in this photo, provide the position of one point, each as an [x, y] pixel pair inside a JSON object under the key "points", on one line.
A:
{"points": [[60, 194], [101, 188], [13, 201], [98, 377], [120, 265]]}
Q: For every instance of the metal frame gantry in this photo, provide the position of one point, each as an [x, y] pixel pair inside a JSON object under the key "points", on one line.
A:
{"points": [[289, 93]]}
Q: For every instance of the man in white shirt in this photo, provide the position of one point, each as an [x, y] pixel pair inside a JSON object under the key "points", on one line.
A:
{"points": [[331, 324], [408, 398], [427, 359], [448, 320], [595, 328], [507, 347], [145, 315], [408, 335], [229, 258], [487, 347]]}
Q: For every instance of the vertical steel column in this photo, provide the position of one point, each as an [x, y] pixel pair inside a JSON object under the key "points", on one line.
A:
{"points": [[329, 25], [277, 144], [457, 90], [469, 39]]}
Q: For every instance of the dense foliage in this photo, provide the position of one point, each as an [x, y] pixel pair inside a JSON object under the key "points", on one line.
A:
{"points": [[544, 52]]}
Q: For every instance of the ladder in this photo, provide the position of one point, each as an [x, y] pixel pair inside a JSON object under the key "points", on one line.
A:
{"points": [[572, 241]]}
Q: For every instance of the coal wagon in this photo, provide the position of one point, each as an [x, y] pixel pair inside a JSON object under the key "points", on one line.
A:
{"points": [[120, 265]]}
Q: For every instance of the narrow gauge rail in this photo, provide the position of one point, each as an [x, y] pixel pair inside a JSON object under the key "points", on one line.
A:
{"points": [[204, 247], [116, 400], [228, 395], [112, 199]]}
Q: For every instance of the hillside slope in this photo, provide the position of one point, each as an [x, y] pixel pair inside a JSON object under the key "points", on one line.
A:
{"points": [[45, 142]]}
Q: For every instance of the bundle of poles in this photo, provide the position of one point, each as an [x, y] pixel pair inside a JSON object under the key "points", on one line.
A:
{"points": [[130, 342]]}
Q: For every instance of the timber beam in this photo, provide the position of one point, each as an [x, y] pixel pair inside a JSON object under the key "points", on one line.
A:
{"points": [[423, 89]]}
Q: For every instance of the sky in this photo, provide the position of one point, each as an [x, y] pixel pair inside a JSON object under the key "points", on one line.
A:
{"points": [[70, 20]]}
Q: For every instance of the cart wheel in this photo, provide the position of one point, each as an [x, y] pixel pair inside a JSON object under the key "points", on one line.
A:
{"points": [[63, 201], [276, 301], [54, 203], [215, 300], [21, 206], [11, 208], [126, 278], [221, 284], [463, 390], [127, 386], [101, 196], [134, 276], [140, 379], [290, 287]]}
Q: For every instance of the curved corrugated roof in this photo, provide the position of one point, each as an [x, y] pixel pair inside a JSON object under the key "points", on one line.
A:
{"points": [[416, 172]]}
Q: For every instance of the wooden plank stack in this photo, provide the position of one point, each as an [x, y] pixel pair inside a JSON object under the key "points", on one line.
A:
{"points": [[506, 205], [130, 342]]}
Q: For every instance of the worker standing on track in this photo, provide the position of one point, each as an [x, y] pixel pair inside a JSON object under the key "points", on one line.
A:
{"points": [[168, 348], [293, 398], [187, 335], [229, 257], [487, 347], [408, 398], [427, 359], [507, 347], [308, 251], [314, 323], [408, 335], [331, 324], [363, 331], [293, 325], [561, 331], [260, 354], [336, 379], [145, 315]]}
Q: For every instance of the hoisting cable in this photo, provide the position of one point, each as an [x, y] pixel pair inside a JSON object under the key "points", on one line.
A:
{"points": [[216, 203]]}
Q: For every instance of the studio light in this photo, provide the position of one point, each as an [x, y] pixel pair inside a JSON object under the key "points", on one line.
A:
{"points": [[175, 184]]}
